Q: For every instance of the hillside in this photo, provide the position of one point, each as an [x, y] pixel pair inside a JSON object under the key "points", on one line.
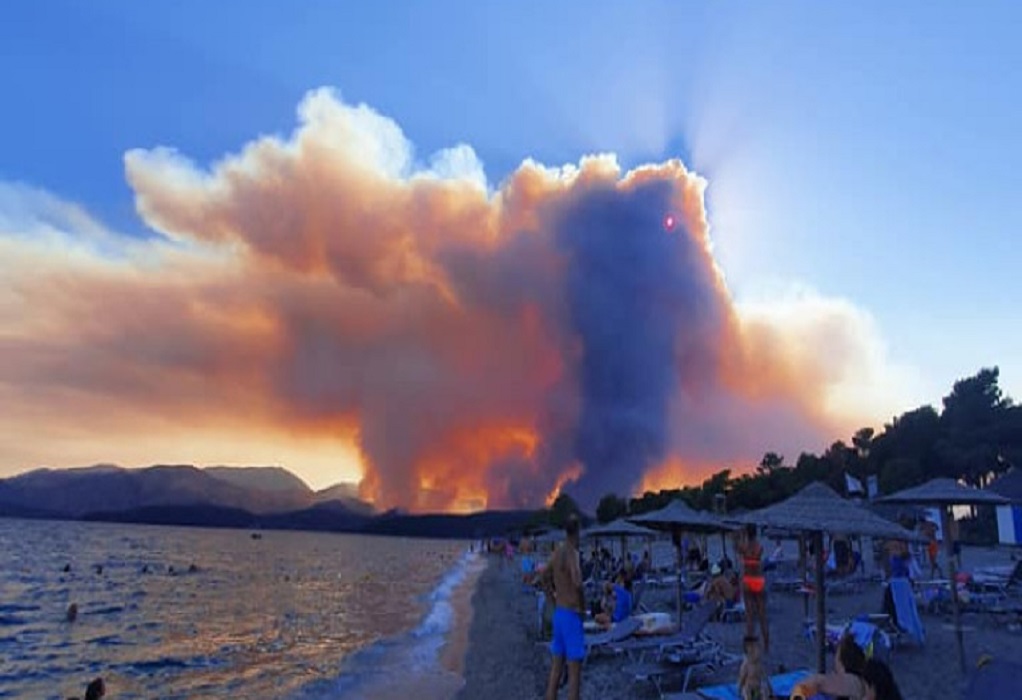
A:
{"points": [[272, 479]]}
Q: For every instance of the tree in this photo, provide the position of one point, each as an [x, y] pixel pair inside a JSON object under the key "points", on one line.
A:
{"points": [[611, 507], [969, 446], [863, 440], [770, 462], [563, 507]]}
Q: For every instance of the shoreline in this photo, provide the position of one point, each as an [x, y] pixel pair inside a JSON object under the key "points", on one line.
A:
{"points": [[503, 661], [455, 650]]}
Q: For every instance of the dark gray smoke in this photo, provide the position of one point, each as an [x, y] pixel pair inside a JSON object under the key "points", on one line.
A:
{"points": [[644, 308]]}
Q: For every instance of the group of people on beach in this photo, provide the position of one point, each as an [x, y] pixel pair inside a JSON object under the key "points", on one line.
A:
{"points": [[853, 677]]}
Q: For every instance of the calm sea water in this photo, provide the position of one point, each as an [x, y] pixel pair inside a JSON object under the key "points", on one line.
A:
{"points": [[291, 615]]}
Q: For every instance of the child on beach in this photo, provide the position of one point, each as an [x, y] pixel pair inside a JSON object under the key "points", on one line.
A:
{"points": [[753, 683]]}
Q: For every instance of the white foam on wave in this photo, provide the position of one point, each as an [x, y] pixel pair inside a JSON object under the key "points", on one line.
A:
{"points": [[392, 668]]}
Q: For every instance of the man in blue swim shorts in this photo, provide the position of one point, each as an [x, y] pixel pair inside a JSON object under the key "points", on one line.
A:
{"points": [[564, 574]]}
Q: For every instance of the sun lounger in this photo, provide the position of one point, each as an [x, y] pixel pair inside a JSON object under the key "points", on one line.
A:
{"points": [[1004, 581], [906, 611], [781, 686], [657, 672], [692, 627], [595, 643]]}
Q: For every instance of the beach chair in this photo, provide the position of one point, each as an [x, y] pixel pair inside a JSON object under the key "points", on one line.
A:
{"points": [[602, 641], [687, 651], [688, 665], [1004, 582], [781, 686], [692, 627], [906, 610]]}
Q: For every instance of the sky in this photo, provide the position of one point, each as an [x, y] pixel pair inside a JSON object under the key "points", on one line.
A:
{"points": [[852, 243]]}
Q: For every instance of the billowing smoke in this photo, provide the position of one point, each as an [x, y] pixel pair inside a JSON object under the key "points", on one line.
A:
{"points": [[477, 346]]}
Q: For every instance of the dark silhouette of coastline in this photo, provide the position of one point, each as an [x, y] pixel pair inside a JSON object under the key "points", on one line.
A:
{"points": [[332, 517]]}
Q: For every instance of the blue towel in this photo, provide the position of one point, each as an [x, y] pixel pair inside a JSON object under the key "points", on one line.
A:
{"points": [[906, 610], [781, 685], [784, 683]]}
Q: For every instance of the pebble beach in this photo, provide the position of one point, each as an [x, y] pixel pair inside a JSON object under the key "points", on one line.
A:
{"points": [[507, 660]]}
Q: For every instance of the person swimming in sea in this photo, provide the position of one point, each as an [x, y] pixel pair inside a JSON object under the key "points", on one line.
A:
{"points": [[94, 690]]}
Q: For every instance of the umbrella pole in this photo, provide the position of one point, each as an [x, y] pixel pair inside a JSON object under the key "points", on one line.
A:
{"points": [[802, 573], [677, 583], [949, 549], [821, 606]]}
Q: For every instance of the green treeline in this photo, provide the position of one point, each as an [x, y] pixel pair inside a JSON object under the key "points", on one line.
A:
{"points": [[976, 437]]}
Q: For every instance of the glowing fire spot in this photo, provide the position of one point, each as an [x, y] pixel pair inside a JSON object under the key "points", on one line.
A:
{"points": [[573, 472], [670, 222]]}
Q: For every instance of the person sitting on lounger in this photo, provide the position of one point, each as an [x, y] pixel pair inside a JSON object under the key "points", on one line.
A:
{"points": [[753, 682], [619, 602], [718, 588], [845, 681]]}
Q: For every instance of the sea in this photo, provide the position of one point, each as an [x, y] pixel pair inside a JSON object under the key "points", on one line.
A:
{"points": [[175, 612]]}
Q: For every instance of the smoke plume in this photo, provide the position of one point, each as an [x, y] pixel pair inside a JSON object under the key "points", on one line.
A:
{"points": [[477, 345]]}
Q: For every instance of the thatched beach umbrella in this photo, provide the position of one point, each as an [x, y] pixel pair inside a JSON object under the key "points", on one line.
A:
{"points": [[618, 528], [677, 517], [945, 493], [817, 509]]}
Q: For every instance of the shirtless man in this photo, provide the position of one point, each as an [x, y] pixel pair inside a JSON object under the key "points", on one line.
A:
{"points": [[565, 576]]}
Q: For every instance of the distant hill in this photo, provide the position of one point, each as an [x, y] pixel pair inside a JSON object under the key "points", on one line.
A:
{"points": [[472, 526], [273, 479], [105, 488], [348, 495], [331, 516], [240, 497], [324, 517], [194, 515]]}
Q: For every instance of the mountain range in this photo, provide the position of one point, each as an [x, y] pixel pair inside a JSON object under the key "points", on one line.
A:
{"points": [[105, 488], [243, 497]]}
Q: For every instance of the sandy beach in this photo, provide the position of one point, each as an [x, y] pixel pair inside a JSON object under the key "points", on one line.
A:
{"points": [[506, 660]]}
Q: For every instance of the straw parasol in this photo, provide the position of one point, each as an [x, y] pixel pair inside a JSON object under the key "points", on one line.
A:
{"points": [[552, 536], [677, 517], [617, 528], [817, 509], [946, 493]]}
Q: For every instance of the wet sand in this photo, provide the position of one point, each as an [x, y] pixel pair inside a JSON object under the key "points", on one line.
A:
{"points": [[506, 660]]}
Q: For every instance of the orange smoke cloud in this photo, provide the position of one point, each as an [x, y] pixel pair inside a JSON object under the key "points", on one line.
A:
{"points": [[478, 347]]}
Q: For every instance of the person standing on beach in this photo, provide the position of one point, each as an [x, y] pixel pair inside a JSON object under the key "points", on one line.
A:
{"points": [[753, 584], [564, 574]]}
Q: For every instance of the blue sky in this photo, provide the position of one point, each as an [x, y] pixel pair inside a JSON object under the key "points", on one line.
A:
{"points": [[863, 151]]}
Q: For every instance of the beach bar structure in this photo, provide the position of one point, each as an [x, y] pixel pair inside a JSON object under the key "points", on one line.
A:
{"points": [[1009, 515], [946, 493], [815, 510]]}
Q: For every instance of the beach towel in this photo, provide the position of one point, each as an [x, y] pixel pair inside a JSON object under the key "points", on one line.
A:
{"points": [[781, 685], [873, 641], [906, 611]]}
